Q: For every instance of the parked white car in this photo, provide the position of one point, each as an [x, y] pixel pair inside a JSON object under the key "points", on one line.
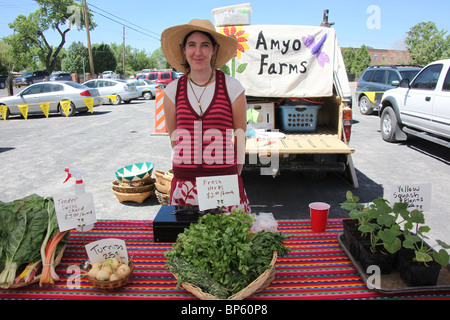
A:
{"points": [[53, 92], [122, 90], [419, 108], [109, 75], [146, 88]]}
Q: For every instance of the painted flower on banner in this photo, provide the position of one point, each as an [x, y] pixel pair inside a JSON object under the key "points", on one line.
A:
{"points": [[239, 34]]}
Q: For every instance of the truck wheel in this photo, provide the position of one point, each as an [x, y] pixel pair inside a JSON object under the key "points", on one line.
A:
{"points": [[388, 125], [365, 106]]}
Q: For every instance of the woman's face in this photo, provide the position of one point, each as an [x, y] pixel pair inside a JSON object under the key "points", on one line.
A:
{"points": [[199, 51]]}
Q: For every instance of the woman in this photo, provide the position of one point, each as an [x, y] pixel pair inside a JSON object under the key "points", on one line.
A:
{"points": [[205, 110]]}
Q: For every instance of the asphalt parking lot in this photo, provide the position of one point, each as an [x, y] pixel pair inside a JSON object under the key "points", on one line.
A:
{"points": [[34, 153]]}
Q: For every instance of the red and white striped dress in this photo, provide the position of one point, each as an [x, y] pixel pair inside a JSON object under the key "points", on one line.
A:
{"points": [[204, 144]]}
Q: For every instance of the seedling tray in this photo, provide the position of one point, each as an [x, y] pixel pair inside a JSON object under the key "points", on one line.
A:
{"points": [[392, 283]]}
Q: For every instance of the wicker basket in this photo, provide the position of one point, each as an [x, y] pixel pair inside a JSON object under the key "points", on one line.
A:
{"points": [[163, 179], [135, 197], [110, 286], [138, 183], [119, 187], [163, 199], [259, 284], [162, 188], [37, 278]]}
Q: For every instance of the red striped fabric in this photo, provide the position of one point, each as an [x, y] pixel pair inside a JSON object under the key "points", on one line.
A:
{"points": [[204, 143], [316, 268]]}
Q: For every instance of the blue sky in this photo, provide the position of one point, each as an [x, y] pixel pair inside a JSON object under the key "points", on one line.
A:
{"points": [[380, 24]]}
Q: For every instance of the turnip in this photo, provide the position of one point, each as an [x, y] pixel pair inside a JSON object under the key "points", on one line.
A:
{"points": [[113, 277], [123, 270], [103, 275]]}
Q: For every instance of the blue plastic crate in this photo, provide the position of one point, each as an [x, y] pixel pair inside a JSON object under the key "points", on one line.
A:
{"points": [[299, 118]]}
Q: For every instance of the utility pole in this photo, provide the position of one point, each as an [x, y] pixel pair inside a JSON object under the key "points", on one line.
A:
{"points": [[86, 22], [123, 53]]}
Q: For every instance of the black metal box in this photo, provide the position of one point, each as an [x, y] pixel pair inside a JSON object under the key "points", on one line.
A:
{"points": [[172, 220]]}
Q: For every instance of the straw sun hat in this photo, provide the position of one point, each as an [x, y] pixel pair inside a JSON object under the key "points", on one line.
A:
{"points": [[172, 43]]}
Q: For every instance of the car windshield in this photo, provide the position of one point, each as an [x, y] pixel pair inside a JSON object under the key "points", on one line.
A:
{"points": [[28, 73], [410, 74]]}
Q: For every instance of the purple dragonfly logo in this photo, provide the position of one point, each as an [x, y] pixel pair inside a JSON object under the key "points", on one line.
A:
{"points": [[321, 56]]}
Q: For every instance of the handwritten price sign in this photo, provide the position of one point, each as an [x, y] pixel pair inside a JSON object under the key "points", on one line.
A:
{"points": [[418, 196], [217, 191], [74, 211], [101, 250]]}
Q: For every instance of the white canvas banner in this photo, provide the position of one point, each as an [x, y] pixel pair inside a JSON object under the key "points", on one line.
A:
{"points": [[283, 61]]}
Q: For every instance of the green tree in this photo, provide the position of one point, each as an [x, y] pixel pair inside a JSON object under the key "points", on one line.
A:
{"points": [[135, 59], [73, 62], [426, 43], [104, 58], [356, 61], [349, 59], [159, 59], [28, 36], [362, 59], [4, 58]]}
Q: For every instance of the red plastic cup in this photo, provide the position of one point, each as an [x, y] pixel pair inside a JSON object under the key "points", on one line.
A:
{"points": [[319, 216]]}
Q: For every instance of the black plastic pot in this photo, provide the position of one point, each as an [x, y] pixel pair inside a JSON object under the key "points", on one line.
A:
{"points": [[414, 273], [384, 260], [353, 236]]}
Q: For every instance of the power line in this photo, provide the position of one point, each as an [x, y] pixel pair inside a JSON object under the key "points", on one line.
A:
{"points": [[123, 24], [124, 19]]}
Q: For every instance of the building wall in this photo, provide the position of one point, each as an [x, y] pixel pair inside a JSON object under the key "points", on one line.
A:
{"points": [[379, 56]]}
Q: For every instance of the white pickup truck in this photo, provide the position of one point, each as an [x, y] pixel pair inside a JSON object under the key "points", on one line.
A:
{"points": [[298, 99], [420, 108]]}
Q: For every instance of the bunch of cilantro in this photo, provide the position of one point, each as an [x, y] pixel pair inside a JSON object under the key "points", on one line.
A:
{"points": [[220, 254]]}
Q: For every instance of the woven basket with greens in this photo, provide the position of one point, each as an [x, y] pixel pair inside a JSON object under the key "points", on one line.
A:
{"points": [[221, 256]]}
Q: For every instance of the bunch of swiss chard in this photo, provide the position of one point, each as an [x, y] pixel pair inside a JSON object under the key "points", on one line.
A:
{"points": [[220, 255], [26, 227]]}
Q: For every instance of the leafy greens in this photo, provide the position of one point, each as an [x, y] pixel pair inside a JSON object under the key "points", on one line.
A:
{"points": [[23, 227], [220, 255]]}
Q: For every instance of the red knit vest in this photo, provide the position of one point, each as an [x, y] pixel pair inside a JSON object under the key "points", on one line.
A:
{"points": [[204, 145]]}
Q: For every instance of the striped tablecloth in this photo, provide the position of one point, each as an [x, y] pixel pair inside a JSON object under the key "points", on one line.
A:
{"points": [[316, 268]]}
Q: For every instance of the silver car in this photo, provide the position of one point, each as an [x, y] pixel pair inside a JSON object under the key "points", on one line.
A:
{"points": [[146, 88], [53, 92], [122, 90]]}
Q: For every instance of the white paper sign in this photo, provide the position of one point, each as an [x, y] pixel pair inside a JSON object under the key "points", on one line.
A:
{"points": [[284, 60], [217, 191], [73, 211], [101, 250], [418, 196]]}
